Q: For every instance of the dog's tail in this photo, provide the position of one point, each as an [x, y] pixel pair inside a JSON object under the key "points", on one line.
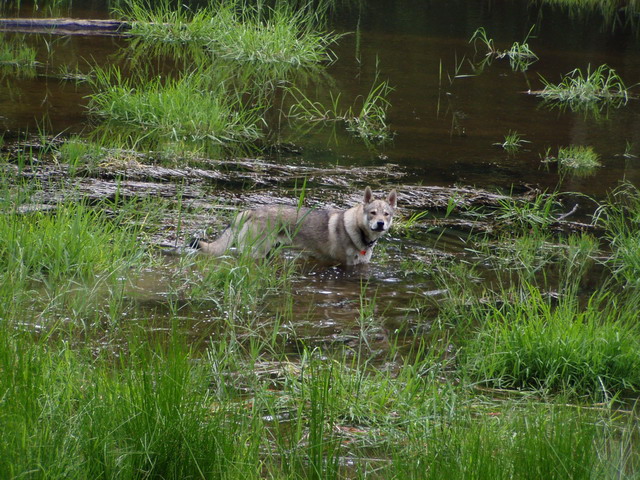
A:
{"points": [[194, 242], [217, 248]]}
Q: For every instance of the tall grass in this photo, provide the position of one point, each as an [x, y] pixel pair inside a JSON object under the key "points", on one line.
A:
{"points": [[501, 443], [74, 242], [620, 215], [190, 107], [67, 415], [236, 30], [529, 342]]}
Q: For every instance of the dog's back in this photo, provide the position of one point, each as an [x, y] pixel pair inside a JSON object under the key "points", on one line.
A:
{"points": [[338, 236]]}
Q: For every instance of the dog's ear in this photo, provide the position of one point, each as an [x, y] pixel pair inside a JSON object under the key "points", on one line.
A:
{"points": [[392, 198], [368, 195]]}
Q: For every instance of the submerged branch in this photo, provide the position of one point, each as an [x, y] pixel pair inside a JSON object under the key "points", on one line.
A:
{"points": [[64, 26]]}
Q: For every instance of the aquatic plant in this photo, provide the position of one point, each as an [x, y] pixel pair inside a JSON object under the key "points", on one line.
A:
{"points": [[513, 141], [193, 106], [520, 55], [369, 121], [480, 35], [65, 72], [578, 156], [53, 7], [614, 14], [578, 90], [575, 159], [525, 215], [16, 54], [236, 30]]}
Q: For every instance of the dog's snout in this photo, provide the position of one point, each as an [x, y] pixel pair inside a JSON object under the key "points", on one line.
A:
{"points": [[380, 224]]}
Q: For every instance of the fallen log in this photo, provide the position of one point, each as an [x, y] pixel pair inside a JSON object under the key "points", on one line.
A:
{"points": [[64, 26]]}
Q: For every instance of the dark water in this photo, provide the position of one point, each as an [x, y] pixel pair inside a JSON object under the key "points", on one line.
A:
{"points": [[444, 130]]}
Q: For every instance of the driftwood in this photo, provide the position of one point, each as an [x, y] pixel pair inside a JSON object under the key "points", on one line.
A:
{"points": [[64, 26]]}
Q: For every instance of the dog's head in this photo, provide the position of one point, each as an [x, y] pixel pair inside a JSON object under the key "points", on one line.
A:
{"points": [[378, 214]]}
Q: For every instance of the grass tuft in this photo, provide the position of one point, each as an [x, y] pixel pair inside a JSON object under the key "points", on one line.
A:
{"points": [[187, 108], [16, 53], [520, 55], [74, 242], [513, 142], [235, 30], [369, 122], [578, 157], [528, 342], [579, 90], [620, 216]]}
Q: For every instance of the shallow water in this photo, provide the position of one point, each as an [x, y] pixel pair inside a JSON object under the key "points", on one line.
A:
{"points": [[445, 128]]}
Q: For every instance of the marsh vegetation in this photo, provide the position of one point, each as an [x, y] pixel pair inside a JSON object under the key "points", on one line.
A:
{"points": [[494, 336]]}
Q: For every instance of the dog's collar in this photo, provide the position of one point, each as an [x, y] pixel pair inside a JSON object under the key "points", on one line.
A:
{"points": [[367, 243]]}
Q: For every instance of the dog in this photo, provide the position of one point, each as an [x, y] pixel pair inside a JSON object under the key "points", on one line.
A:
{"points": [[345, 237]]}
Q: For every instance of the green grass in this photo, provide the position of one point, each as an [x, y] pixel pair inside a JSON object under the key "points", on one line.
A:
{"points": [[619, 216], [524, 216], [192, 107], [513, 142], [237, 30], [15, 53], [613, 14], [578, 157], [529, 342], [67, 414], [209, 376], [366, 119], [519, 54], [73, 242], [164, 411], [591, 89]]}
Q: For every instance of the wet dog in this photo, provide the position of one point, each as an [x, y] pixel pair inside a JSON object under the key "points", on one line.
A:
{"points": [[344, 237]]}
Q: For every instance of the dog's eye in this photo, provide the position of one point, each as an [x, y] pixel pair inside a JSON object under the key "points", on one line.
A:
{"points": [[386, 214], [374, 212]]}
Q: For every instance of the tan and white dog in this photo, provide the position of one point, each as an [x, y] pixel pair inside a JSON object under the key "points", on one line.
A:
{"points": [[344, 237]]}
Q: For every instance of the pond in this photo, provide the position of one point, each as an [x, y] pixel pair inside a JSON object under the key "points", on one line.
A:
{"points": [[451, 107], [495, 333]]}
